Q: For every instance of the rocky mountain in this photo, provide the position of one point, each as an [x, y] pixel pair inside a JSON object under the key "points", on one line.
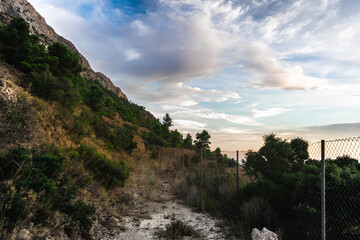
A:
{"points": [[47, 35]]}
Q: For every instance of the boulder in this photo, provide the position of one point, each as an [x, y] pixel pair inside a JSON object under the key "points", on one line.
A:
{"points": [[264, 234]]}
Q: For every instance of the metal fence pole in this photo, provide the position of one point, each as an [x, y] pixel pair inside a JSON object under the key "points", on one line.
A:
{"points": [[159, 157], [237, 185], [183, 160], [162, 157], [201, 178], [323, 211]]}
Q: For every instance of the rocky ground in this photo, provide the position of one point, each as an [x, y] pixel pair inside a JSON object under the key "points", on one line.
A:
{"points": [[151, 209]]}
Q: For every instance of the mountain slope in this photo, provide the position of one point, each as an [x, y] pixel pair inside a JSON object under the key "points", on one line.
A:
{"points": [[38, 26]]}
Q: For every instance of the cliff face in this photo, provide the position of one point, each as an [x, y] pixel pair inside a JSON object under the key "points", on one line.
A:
{"points": [[47, 35]]}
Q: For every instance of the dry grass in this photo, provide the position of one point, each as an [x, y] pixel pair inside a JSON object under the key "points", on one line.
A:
{"points": [[178, 230]]}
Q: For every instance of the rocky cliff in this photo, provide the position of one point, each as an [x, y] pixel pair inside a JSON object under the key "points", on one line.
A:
{"points": [[47, 35]]}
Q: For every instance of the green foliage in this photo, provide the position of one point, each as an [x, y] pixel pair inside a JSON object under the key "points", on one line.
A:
{"points": [[16, 41], [109, 146], [195, 159], [10, 164], [175, 139], [123, 139], [40, 171], [17, 209], [272, 160], [81, 215], [82, 126], [68, 63], [95, 98], [188, 142], [294, 194], [167, 123], [154, 154], [110, 174], [202, 140], [54, 75], [299, 147]]}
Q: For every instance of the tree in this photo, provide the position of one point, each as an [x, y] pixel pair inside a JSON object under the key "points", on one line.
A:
{"points": [[218, 153], [175, 138], [202, 140], [299, 147], [167, 123], [187, 143], [16, 41], [68, 61], [95, 97], [272, 159]]}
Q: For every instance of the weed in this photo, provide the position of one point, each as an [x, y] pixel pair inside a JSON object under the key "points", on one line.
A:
{"points": [[177, 230]]}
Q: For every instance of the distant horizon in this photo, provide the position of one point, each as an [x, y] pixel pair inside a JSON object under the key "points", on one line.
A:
{"points": [[239, 69]]}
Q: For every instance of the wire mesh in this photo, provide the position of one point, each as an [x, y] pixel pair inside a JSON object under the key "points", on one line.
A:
{"points": [[314, 150], [340, 147], [209, 183], [343, 188]]}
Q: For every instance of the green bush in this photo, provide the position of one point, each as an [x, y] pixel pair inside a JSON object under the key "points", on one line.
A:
{"points": [[109, 146], [195, 159], [10, 163], [154, 153], [81, 214], [178, 230], [111, 174]]}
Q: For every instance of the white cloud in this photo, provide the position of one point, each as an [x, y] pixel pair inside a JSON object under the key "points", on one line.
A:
{"points": [[233, 131], [269, 112], [188, 124], [270, 72], [157, 56], [236, 119], [132, 55]]}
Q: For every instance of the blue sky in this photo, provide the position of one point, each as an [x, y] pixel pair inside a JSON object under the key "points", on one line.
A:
{"points": [[239, 69]]}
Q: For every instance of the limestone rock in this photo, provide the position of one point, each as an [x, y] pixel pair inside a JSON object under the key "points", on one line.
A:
{"points": [[264, 234], [47, 36]]}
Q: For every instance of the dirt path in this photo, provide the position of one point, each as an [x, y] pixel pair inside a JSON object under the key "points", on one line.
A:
{"points": [[146, 217]]}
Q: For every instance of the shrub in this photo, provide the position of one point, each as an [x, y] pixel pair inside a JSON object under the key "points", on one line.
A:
{"points": [[109, 146], [195, 159], [11, 162], [81, 214], [154, 153], [111, 174], [177, 230]]}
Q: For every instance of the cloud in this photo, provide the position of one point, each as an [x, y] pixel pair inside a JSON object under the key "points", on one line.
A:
{"points": [[183, 124], [199, 39], [270, 72], [182, 55], [234, 131], [269, 112], [237, 119]]}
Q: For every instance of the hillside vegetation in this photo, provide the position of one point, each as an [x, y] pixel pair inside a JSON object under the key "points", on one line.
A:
{"points": [[62, 134]]}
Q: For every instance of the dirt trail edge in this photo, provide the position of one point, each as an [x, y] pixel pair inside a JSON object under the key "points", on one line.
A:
{"points": [[146, 216]]}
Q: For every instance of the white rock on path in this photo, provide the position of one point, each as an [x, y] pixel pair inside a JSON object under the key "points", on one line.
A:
{"points": [[264, 234]]}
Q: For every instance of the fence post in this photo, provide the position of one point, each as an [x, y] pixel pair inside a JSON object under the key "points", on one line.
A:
{"points": [[162, 157], [159, 157], [237, 185], [323, 209], [201, 178], [183, 160]]}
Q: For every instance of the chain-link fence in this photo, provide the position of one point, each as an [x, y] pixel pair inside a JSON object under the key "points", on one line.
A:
{"points": [[299, 203], [342, 186]]}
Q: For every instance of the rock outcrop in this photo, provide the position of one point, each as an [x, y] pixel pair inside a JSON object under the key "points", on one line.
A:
{"points": [[264, 234], [38, 26]]}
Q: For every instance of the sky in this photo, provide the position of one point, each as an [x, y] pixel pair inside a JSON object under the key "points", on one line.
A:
{"points": [[239, 69]]}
